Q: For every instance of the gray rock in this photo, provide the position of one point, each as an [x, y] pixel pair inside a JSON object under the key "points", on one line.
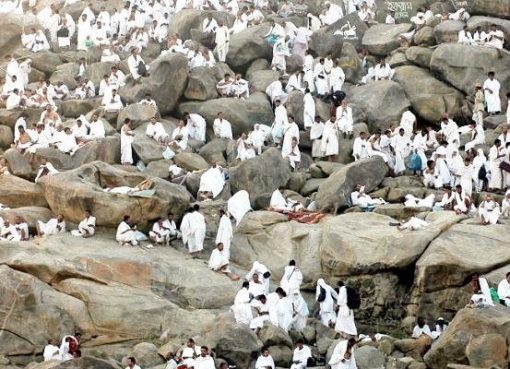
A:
{"points": [[419, 55], [334, 193], [247, 175], [247, 46], [381, 39], [429, 97], [368, 357], [448, 31], [166, 83], [383, 102]]}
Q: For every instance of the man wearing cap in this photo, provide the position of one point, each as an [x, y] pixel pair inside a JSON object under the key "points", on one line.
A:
{"points": [[478, 107]]}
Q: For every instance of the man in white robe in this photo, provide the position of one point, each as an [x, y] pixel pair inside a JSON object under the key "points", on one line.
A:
{"points": [[84, 32], [292, 278], [222, 127], [222, 39], [126, 233], [308, 109], [225, 232], [279, 203], [219, 262], [316, 132], [345, 319], [300, 311], [495, 38], [491, 88], [212, 182], [301, 355], [265, 360], [408, 123], [329, 144], [87, 227], [263, 274], [134, 62], [359, 147], [344, 120], [242, 308], [284, 310], [238, 205], [51, 352], [496, 154], [489, 210], [196, 125], [504, 289], [53, 226], [331, 13], [280, 121], [193, 230], [326, 296], [156, 131], [159, 234]]}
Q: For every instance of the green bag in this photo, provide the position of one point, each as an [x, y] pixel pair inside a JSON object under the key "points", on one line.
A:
{"points": [[494, 296]]}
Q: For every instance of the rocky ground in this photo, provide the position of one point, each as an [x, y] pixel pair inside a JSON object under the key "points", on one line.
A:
{"points": [[132, 301]]}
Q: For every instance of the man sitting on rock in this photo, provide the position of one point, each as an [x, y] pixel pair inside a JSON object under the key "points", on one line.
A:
{"points": [[53, 226], [364, 201], [126, 233], [156, 131], [160, 234], [87, 226], [219, 262]]}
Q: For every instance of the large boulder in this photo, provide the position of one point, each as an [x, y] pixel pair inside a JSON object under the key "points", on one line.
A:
{"points": [[6, 137], [188, 19], [334, 193], [448, 31], [190, 161], [492, 7], [235, 343], [463, 66], [364, 243], [324, 41], [215, 151], [72, 192], [476, 337], [105, 149], [51, 312], [67, 74], [201, 84], [242, 114], [18, 163], [259, 80], [383, 102], [96, 71], [166, 83], [419, 55], [260, 175], [381, 39], [17, 192], [453, 257], [138, 113], [73, 108], [429, 97], [247, 46]]}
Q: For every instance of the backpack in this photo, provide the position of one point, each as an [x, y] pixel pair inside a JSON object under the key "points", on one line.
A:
{"points": [[494, 296], [353, 299], [141, 68], [322, 294], [415, 162], [482, 173]]}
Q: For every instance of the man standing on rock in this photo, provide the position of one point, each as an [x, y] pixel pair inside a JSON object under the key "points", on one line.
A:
{"points": [[222, 38], [193, 230], [491, 88]]}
